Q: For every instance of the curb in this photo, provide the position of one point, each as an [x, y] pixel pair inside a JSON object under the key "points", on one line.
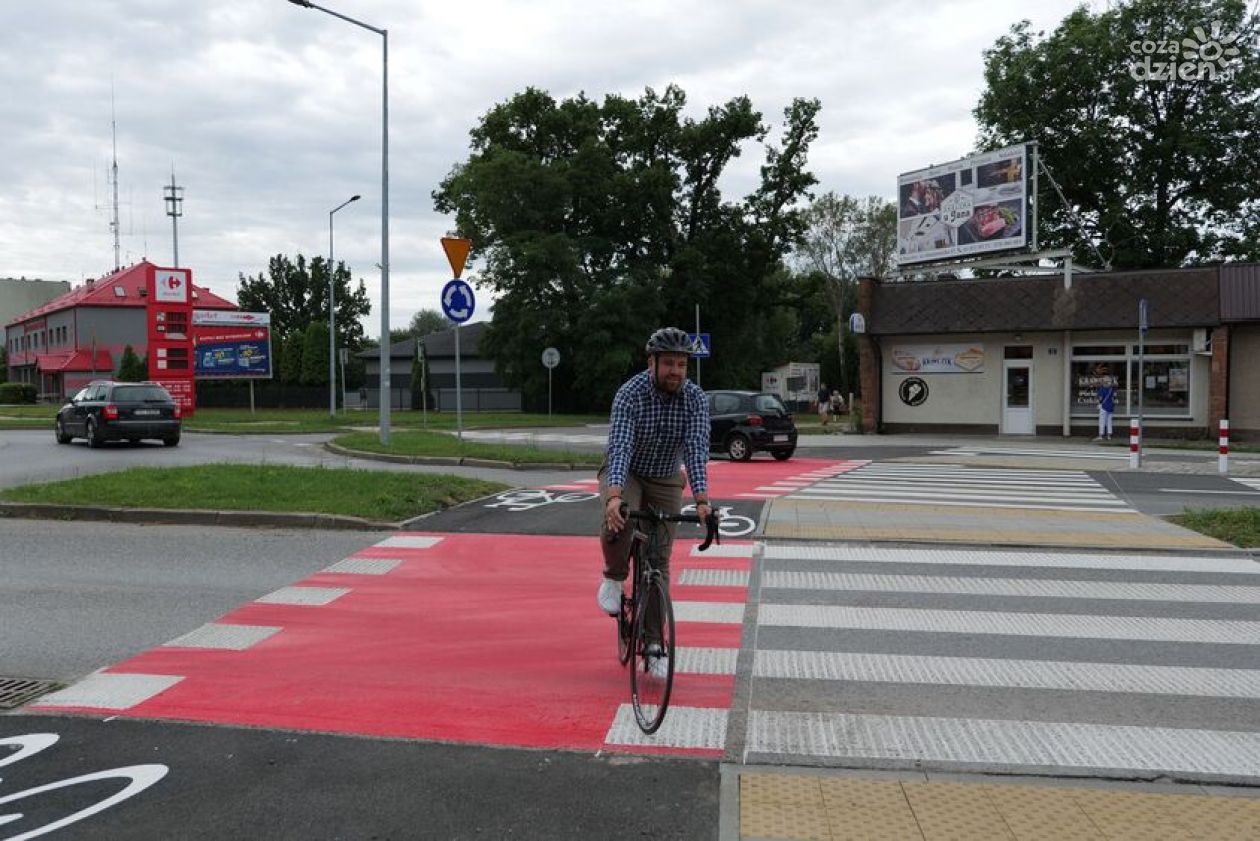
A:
{"points": [[192, 517], [454, 461]]}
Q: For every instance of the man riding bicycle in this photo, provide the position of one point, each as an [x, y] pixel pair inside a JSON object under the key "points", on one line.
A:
{"points": [[659, 420]]}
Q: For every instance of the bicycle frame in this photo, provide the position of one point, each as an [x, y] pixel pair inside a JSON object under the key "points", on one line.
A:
{"points": [[632, 621]]}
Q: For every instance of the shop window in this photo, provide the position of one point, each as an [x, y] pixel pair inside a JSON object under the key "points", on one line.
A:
{"points": [[1087, 376], [1165, 385], [1099, 350]]}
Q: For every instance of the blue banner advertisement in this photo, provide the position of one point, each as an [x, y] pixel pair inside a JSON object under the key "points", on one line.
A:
{"points": [[239, 359]]}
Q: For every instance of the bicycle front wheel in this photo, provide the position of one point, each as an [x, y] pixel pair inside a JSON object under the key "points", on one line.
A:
{"points": [[652, 670]]}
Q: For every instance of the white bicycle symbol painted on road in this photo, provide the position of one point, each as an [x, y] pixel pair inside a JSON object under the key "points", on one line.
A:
{"points": [[138, 777], [729, 525], [526, 499]]}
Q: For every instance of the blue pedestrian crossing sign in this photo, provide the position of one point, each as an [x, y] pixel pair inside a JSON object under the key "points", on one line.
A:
{"points": [[458, 301], [704, 348]]}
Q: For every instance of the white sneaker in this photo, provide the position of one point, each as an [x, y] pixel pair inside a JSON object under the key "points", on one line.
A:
{"points": [[610, 596], [657, 665]]}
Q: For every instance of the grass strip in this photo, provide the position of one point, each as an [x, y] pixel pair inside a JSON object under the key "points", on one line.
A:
{"points": [[271, 421], [1239, 526], [375, 495], [422, 443]]}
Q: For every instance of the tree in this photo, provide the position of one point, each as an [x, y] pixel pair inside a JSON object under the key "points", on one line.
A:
{"points": [[291, 358], [315, 354], [596, 223], [4, 364], [1160, 172], [847, 238], [296, 295], [425, 322], [130, 368]]}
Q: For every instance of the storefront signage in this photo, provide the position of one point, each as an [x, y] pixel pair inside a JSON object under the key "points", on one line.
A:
{"points": [[938, 359], [913, 391], [976, 205]]}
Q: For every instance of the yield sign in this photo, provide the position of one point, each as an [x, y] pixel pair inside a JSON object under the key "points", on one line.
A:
{"points": [[457, 253]]}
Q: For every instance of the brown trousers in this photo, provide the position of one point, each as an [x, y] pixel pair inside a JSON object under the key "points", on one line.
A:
{"points": [[665, 495]]}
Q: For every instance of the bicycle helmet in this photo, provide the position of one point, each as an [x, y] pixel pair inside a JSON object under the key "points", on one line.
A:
{"points": [[670, 340]]}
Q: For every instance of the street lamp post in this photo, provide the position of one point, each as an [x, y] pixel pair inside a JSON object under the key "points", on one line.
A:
{"points": [[332, 314], [384, 264]]}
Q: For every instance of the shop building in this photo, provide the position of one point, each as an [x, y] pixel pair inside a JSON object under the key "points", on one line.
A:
{"points": [[1025, 356], [80, 335]]}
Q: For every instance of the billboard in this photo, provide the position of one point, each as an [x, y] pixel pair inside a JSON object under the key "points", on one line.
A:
{"points": [[231, 345], [974, 206]]}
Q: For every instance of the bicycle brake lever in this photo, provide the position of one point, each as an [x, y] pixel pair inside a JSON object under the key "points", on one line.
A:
{"points": [[711, 532]]}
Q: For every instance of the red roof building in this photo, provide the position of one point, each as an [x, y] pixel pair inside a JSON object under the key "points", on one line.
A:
{"points": [[80, 336]]}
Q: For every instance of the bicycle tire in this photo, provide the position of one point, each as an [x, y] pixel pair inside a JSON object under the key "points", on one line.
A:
{"points": [[649, 695]]}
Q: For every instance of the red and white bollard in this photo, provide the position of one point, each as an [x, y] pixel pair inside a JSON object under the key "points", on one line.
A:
{"points": [[1135, 445], [1223, 463]]}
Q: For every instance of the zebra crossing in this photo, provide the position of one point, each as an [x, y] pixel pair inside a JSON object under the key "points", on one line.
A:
{"points": [[1091, 664], [1254, 484], [962, 485]]}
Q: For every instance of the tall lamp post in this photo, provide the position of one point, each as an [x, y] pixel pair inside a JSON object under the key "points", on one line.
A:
{"points": [[332, 314], [384, 264]]}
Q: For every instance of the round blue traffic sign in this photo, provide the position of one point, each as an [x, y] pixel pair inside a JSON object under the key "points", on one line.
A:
{"points": [[458, 301]]}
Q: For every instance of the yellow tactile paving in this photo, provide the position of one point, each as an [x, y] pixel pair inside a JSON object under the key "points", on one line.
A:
{"points": [[947, 811], [806, 807]]}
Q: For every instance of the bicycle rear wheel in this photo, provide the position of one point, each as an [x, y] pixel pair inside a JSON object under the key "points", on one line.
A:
{"points": [[650, 688]]}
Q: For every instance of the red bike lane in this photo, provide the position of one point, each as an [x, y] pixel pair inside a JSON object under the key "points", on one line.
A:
{"points": [[474, 638], [490, 639]]}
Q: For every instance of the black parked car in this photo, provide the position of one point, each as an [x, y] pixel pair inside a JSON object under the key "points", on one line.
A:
{"points": [[744, 422], [111, 411]]}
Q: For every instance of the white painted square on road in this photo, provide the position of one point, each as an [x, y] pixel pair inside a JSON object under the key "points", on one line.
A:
{"points": [[110, 691]]}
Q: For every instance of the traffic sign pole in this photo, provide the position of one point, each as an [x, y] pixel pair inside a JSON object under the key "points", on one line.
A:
{"points": [[459, 393], [550, 359], [697, 333], [459, 312]]}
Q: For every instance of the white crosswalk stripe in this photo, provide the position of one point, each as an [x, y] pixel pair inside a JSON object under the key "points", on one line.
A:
{"points": [[960, 485], [1108, 664], [1254, 484], [1032, 451]]}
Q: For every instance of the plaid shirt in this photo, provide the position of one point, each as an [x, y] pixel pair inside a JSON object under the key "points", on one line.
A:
{"points": [[652, 433]]}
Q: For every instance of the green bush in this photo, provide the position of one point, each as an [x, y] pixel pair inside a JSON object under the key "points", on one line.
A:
{"points": [[17, 393]]}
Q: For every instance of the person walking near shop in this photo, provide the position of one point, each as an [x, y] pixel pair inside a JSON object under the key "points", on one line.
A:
{"points": [[1106, 405], [824, 404]]}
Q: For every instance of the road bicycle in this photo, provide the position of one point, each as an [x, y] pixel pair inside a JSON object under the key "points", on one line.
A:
{"points": [[645, 624]]}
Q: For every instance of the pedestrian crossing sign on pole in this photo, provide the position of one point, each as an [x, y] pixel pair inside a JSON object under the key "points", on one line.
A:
{"points": [[704, 348]]}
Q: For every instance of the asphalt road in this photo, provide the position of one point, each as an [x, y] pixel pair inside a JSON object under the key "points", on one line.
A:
{"points": [[226, 783], [75, 597]]}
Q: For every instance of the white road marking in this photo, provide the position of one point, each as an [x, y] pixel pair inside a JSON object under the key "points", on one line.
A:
{"points": [[1021, 587], [1037, 560], [1071, 626], [1017, 674], [110, 691], [1005, 743]]}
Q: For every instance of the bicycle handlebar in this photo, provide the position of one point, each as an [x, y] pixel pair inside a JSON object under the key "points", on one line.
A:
{"points": [[710, 523]]}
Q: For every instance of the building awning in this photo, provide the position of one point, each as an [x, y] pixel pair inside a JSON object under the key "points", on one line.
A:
{"points": [[74, 360]]}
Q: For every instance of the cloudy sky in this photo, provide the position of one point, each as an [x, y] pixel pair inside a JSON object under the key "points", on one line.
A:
{"points": [[270, 114]]}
